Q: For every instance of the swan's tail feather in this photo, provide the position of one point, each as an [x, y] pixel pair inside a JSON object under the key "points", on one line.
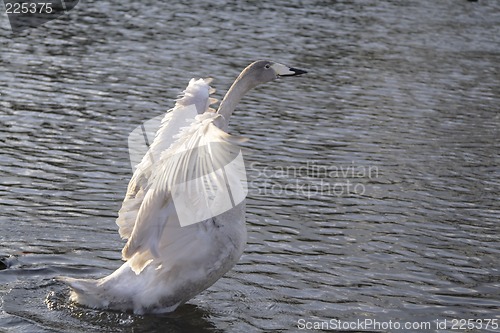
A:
{"points": [[88, 292]]}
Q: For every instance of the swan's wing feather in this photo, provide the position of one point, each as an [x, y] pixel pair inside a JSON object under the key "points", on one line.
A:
{"points": [[194, 100], [189, 167]]}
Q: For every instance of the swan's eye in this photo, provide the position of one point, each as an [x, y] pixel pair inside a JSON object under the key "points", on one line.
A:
{"points": [[267, 66]]}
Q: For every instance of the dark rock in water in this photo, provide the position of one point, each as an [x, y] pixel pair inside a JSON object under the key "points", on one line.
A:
{"points": [[3, 263], [6, 262]]}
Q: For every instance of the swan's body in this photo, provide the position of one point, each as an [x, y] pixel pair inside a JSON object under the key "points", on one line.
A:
{"points": [[166, 263]]}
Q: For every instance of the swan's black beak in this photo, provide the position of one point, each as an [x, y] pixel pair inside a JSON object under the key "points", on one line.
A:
{"points": [[294, 71], [282, 70]]}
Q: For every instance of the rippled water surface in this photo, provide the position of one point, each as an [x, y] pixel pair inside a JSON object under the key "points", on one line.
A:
{"points": [[374, 179]]}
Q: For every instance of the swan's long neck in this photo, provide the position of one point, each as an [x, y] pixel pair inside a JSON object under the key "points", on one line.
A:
{"points": [[239, 88]]}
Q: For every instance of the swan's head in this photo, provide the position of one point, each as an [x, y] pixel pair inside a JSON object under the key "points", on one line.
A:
{"points": [[263, 71], [256, 73]]}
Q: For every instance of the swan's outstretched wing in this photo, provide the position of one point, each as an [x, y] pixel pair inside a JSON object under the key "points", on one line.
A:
{"points": [[178, 190], [194, 100]]}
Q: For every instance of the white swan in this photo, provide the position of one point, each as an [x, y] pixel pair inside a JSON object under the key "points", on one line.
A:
{"points": [[166, 263]]}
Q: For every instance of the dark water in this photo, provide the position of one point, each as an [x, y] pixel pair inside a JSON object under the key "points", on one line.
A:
{"points": [[374, 179]]}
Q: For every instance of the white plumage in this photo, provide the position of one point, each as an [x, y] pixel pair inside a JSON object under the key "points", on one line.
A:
{"points": [[166, 263]]}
